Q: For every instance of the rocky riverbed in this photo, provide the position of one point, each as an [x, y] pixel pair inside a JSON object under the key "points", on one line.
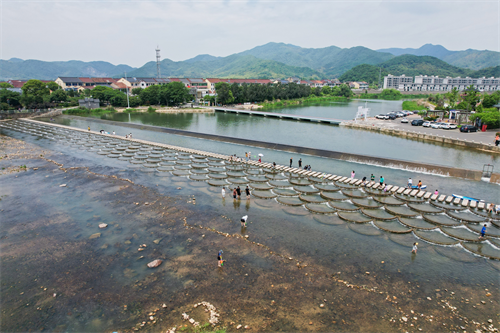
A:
{"points": [[58, 276]]}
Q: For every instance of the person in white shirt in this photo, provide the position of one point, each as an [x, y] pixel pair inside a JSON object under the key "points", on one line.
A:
{"points": [[410, 183], [223, 193], [244, 221]]}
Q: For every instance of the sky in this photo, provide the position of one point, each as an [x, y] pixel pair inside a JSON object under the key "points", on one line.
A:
{"points": [[127, 32]]}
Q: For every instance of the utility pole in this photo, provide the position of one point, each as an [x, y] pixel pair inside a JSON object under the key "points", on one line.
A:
{"points": [[158, 75], [379, 76], [128, 103]]}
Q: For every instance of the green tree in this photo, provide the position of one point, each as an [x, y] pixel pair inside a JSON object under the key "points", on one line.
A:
{"points": [[490, 100], [34, 92], [174, 93], [224, 93], [6, 85], [59, 96], [9, 99], [137, 91], [326, 90], [470, 98], [452, 97], [53, 86], [103, 93], [150, 95]]}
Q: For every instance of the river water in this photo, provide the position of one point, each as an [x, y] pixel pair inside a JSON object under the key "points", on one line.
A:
{"points": [[306, 134]]}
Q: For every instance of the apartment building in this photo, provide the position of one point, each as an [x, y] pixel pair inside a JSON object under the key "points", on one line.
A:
{"points": [[436, 83]]}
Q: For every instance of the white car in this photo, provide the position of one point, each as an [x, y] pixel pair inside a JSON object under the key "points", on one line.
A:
{"points": [[452, 126], [404, 120], [426, 124], [435, 125], [382, 116], [444, 125]]}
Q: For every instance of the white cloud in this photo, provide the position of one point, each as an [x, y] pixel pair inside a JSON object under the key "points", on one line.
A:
{"points": [[128, 31]]}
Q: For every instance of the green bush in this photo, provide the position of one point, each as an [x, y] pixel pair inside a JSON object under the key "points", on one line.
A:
{"points": [[431, 118], [151, 109], [490, 118]]}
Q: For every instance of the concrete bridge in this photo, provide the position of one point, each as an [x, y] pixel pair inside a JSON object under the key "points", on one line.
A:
{"points": [[281, 115]]}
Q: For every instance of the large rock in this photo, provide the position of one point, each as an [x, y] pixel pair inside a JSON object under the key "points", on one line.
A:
{"points": [[96, 235], [155, 263]]}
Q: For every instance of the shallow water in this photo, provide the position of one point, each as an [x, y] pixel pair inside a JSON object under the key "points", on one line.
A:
{"points": [[66, 217]]}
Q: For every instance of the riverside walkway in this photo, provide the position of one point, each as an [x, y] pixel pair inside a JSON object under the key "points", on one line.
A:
{"points": [[281, 116], [421, 196]]}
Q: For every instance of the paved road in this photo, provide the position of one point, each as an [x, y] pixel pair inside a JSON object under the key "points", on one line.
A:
{"points": [[487, 137]]}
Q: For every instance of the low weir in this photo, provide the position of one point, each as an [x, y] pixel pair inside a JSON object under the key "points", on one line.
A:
{"points": [[281, 116], [350, 157]]}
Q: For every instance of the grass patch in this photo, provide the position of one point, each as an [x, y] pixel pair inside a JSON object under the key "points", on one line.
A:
{"points": [[85, 111], [307, 101], [411, 105]]}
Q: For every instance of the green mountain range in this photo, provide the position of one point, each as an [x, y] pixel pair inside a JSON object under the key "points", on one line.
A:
{"points": [[278, 60], [44, 70], [472, 59], [412, 65]]}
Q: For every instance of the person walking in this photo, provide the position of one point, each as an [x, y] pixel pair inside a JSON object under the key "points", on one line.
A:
{"points": [[247, 191], [497, 139], [234, 194], [410, 183], [353, 174], [382, 181], [238, 191], [483, 232], [300, 163], [291, 161], [414, 249], [223, 192]]}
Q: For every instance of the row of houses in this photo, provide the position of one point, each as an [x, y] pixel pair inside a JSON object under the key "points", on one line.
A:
{"points": [[436, 83]]}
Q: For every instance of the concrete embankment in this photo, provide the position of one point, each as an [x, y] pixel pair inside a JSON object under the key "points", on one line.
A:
{"points": [[436, 139], [365, 159]]}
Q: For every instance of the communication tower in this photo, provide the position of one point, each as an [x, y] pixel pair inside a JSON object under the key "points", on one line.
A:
{"points": [[158, 75]]}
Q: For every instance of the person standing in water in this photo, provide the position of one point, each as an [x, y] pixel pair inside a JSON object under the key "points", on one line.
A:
{"points": [[247, 191], [223, 192], [353, 174], [300, 163], [291, 161], [234, 193], [238, 191], [244, 221], [89, 128], [414, 249]]}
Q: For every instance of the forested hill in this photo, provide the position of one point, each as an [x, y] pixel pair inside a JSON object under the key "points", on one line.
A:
{"points": [[411, 65]]}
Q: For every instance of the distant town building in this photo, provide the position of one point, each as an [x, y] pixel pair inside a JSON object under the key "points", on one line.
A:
{"points": [[81, 83], [20, 83], [436, 83], [89, 103]]}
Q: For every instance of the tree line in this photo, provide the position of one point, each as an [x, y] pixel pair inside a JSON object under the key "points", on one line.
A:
{"points": [[257, 93]]}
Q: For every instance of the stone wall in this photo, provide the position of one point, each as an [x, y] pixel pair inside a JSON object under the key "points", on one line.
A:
{"points": [[425, 137]]}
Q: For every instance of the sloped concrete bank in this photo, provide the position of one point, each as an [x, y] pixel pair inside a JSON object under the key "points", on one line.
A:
{"points": [[424, 137], [358, 158]]}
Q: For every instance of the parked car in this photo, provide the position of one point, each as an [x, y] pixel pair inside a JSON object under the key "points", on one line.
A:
{"points": [[444, 125], [381, 116], [417, 122], [468, 128], [435, 125], [426, 124], [452, 126], [401, 114], [391, 116], [404, 121], [415, 111]]}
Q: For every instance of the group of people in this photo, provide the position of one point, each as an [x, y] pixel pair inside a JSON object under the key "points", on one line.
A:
{"points": [[372, 179], [236, 192], [127, 136], [410, 184], [104, 132]]}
